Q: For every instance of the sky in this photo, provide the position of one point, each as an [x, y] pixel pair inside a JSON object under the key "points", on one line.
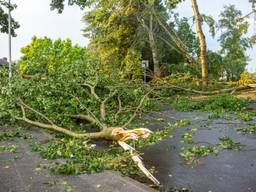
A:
{"points": [[36, 19]]}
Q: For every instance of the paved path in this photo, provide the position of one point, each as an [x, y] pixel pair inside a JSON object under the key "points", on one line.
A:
{"points": [[230, 171], [20, 172]]}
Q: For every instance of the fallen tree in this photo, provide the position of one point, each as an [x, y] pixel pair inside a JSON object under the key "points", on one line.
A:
{"points": [[106, 132], [216, 92], [79, 104], [119, 134]]}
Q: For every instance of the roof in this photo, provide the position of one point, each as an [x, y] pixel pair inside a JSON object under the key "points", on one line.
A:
{"points": [[3, 61]]}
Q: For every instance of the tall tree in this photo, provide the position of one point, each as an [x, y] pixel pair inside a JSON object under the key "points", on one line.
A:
{"points": [[113, 29], [44, 56], [215, 64], [147, 21], [4, 18], [233, 41], [154, 20], [187, 35], [120, 30], [171, 37], [202, 41]]}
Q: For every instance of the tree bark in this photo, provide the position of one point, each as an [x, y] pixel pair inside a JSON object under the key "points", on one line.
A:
{"points": [[201, 37], [157, 70]]}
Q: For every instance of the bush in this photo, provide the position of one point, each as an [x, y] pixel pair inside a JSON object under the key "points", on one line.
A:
{"points": [[245, 79]]}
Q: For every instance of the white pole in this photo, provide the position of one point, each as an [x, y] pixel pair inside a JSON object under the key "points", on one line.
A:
{"points": [[10, 40]]}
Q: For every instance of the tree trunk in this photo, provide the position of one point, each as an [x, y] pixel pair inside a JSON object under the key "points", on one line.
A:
{"points": [[208, 93], [157, 70], [149, 28], [228, 76], [202, 42]]}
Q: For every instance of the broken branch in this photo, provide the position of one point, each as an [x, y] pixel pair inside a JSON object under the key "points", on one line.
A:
{"points": [[120, 108], [92, 90], [137, 160], [232, 89], [102, 105], [53, 127], [138, 108]]}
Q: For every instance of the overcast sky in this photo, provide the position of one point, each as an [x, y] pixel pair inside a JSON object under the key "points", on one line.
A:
{"points": [[36, 18]]}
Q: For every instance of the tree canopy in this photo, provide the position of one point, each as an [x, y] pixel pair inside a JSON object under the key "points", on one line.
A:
{"points": [[233, 41], [4, 18], [253, 2], [59, 5], [44, 56]]}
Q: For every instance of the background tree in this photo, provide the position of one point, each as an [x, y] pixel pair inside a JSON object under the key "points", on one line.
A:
{"points": [[187, 35], [149, 28], [215, 65], [174, 59], [120, 30], [233, 41], [114, 34], [44, 56], [4, 18], [60, 4], [166, 45]]}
